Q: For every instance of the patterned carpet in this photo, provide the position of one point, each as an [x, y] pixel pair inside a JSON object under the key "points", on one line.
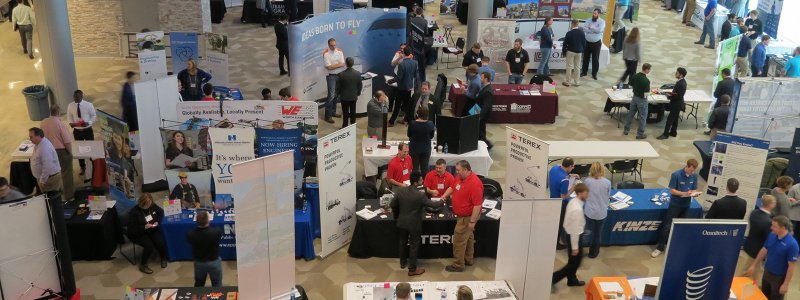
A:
{"points": [[253, 65]]}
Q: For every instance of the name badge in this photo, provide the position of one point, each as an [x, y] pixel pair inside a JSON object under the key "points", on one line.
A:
{"points": [[405, 171], [517, 60], [458, 187], [440, 186], [148, 218], [191, 85]]}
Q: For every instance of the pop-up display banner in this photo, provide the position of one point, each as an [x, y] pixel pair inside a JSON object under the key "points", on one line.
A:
{"points": [[769, 12], [766, 108], [155, 101], [496, 37], [230, 146], [120, 167], [184, 46], [336, 169], [726, 59], [293, 114], [152, 56], [526, 171], [737, 157], [216, 59], [370, 35]]}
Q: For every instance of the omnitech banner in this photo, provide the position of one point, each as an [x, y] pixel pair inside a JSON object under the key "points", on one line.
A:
{"points": [[336, 169], [152, 56], [370, 36], [271, 141], [496, 37], [692, 274], [184, 46], [726, 59], [740, 157], [231, 145], [526, 171], [121, 169], [216, 59]]}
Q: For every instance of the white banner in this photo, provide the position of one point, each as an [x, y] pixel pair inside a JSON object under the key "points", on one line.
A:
{"points": [[216, 64], [526, 167], [156, 100], [336, 168], [737, 157], [251, 112], [264, 200], [152, 56], [231, 145], [496, 37]]}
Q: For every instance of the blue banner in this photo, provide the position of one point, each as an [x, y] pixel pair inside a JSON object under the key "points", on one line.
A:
{"points": [[727, 138], [272, 141], [701, 259], [341, 4], [769, 11], [184, 47]]}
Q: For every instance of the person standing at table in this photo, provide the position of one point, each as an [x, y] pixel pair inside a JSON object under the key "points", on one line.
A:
{"points": [[484, 101], [467, 198], [420, 132], [754, 27], [473, 56], [205, 251], [780, 251], [408, 205], [718, 121], [486, 67], [128, 101], [57, 133], [574, 222], [424, 100], [282, 42], [81, 115], [730, 206], [631, 54], [44, 162], [676, 103], [708, 25], [792, 67], [375, 110], [593, 28], [407, 80], [782, 202], [399, 170], [573, 48], [144, 229], [438, 180], [596, 209], [334, 63], [546, 47], [560, 188], [517, 60], [186, 192], [348, 89], [759, 224], [725, 33], [192, 80], [473, 88], [758, 59], [641, 87], [682, 187]]}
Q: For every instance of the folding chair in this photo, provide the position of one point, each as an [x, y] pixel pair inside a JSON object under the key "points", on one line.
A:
{"points": [[457, 50]]}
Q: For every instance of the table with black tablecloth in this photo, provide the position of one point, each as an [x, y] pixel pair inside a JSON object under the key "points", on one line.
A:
{"points": [[198, 293], [94, 239], [704, 147], [510, 106], [377, 237]]}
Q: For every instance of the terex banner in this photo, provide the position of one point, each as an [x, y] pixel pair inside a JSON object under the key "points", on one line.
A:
{"points": [[526, 175], [336, 169]]}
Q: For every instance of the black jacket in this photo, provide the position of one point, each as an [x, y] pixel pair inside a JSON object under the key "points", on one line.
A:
{"points": [[676, 100], [719, 117], [136, 220], [349, 85], [282, 37], [484, 100], [434, 106], [728, 207], [725, 33], [724, 87], [407, 206], [760, 222]]}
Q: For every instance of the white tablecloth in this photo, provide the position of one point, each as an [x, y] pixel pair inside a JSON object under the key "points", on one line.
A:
{"points": [[557, 61], [499, 290], [479, 160]]}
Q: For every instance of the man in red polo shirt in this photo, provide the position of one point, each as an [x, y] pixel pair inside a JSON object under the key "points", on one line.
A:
{"points": [[438, 180], [467, 195], [400, 167]]}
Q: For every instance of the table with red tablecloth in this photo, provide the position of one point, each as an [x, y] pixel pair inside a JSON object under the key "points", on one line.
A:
{"points": [[509, 105]]}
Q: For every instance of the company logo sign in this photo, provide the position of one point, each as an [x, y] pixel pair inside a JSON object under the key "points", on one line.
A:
{"points": [[229, 229], [554, 55], [697, 282], [290, 110], [500, 107], [636, 226], [325, 144], [231, 137], [521, 108]]}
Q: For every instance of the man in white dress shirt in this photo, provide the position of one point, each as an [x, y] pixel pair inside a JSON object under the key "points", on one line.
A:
{"points": [[44, 162], [334, 63], [81, 115], [574, 222]]}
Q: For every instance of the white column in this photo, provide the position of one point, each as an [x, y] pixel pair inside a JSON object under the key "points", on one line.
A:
{"points": [[476, 10], [55, 49]]}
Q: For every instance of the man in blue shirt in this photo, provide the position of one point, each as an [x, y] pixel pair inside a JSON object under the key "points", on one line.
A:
{"points": [[759, 58], [682, 187], [473, 88], [485, 68], [792, 67], [781, 252], [741, 56], [560, 189], [619, 11], [708, 24], [593, 28]]}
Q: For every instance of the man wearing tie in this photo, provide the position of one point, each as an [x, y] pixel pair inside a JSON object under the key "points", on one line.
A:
{"points": [[81, 115]]}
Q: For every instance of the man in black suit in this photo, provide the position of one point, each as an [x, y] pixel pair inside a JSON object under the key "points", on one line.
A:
{"points": [[675, 105], [348, 88], [484, 100], [407, 205], [730, 206], [282, 42], [425, 99], [724, 86], [759, 223]]}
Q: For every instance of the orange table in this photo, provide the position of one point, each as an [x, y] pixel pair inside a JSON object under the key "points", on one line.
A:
{"points": [[593, 291]]}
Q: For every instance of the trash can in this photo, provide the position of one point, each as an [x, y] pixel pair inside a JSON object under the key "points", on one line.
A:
{"points": [[36, 96]]}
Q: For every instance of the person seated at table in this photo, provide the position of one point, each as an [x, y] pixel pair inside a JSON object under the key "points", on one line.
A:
{"points": [[7, 192], [719, 117], [485, 67], [730, 206], [473, 56], [675, 105], [438, 180], [682, 188], [208, 92], [574, 222], [399, 171], [464, 293], [408, 206], [186, 192], [205, 251], [144, 229], [403, 291]]}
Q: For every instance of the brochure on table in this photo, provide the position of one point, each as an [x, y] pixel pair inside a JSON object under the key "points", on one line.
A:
{"points": [[336, 169], [739, 157]]}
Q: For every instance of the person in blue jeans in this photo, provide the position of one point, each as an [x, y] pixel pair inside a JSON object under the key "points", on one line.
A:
{"points": [[682, 186], [546, 46], [517, 60], [641, 87], [205, 251], [334, 63], [708, 24], [758, 60], [596, 208]]}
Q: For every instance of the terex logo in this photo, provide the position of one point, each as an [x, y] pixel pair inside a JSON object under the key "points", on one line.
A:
{"points": [[290, 110], [325, 144], [527, 142], [513, 136], [436, 239], [636, 226], [341, 136]]}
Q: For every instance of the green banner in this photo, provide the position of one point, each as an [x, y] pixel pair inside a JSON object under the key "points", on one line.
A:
{"points": [[726, 59]]}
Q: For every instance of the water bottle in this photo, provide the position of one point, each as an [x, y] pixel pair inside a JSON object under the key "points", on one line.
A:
{"points": [[619, 85], [444, 295], [446, 149]]}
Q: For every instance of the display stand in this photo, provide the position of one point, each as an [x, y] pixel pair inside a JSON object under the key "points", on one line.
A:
{"points": [[462, 133]]}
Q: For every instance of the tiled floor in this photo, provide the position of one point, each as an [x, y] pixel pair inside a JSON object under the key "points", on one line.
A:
{"points": [[253, 65]]}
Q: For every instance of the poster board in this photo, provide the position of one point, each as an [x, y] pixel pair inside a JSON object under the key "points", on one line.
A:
{"points": [[152, 56], [769, 12], [336, 169], [739, 157], [526, 170], [216, 59], [496, 37], [184, 46]]}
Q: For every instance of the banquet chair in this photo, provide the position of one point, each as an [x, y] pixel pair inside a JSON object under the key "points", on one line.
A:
{"points": [[457, 50], [581, 169], [624, 166]]}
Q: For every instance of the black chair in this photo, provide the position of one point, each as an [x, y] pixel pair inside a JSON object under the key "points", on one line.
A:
{"points": [[123, 220], [582, 170], [630, 185], [458, 50], [366, 190], [623, 167]]}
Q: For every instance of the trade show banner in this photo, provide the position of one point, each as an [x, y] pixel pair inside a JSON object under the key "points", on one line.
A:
{"points": [[120, 167], [739, 157], [337, 188], [766, 108], [496, 37], [216, 59], [370, 35], [769, 11], [156, 101], [184, 46], [793, 169], [726, 59], [293, 114], [271, 141], [231, 145], [526, 167], [264, 197], [187, 150], [152, 56], [341, 4], [199, 182], [692, 274]]}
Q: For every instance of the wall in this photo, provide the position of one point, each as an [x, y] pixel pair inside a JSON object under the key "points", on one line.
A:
{"points": [[181, 15], [96, 26]]}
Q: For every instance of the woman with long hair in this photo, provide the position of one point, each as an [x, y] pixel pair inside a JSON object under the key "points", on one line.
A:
{"points": [[192, 80], [546, 46], [631, 54], [177, 146], [596, 208]]}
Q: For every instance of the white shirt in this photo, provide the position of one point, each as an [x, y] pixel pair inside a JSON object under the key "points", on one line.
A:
{"points": [[88, 114], [22, 15], [44, 161], [332, 58], [574, 221]]}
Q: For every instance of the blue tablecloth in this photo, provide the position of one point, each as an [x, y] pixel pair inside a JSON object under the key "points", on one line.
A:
{"points": [[312, 197], [638, 224], [176, 227], [228, 93]]}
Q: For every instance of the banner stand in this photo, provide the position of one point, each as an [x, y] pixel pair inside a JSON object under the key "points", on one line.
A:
{"points": [[336, 168]]}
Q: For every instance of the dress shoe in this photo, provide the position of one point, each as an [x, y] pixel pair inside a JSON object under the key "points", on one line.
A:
{"points": [[145, 269], [416, 272], [594, 77], [698, 43], [284, 73], [624, 133], [710, 47], [337, 115], [641, 137], [592, 255], [329, 120], [30, 56], [673, 134], [707, 132], [565, 83], [453, 268], [662, 137], [469, 263], [403, 264], [164, 263], [576, 283], [583, 75]]}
